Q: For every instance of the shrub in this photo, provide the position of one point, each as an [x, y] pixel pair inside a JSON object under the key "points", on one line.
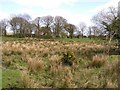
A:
{"points": [[68, 58]]}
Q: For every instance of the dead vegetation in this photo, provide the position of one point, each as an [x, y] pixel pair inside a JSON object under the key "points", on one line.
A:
{"points": [[60, 64]]}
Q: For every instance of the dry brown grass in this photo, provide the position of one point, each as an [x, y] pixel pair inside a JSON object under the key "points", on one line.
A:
{"points": [[55, 66], [99, 60], [26, 81], [55, 59], [46, 48], [35, 65], [43, 60]]}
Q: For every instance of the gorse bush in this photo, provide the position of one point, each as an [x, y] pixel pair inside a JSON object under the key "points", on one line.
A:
{"points": [[69, 58]]}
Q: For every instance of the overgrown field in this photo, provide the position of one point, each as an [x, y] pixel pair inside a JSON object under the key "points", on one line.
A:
{"points": [[56, 64]]}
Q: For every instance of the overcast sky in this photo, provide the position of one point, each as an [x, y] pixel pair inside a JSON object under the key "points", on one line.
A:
{"points": [[75, 11]]}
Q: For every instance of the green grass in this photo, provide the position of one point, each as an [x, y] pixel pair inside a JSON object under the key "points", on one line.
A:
{"points": [[6, 38], [75, 39], [10, 78], [0, 78], [82, 40], [11, 74], [83, 76], [85, 40], [17, 59]]}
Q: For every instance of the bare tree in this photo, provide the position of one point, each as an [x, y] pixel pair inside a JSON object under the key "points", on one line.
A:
{"points": [[82, 27], [96, 31], [3, 27], [104, 18], [70, 28], [89, 31], [25, 16], [59, 23], [107, 19], [47, 21], [37, 23], [20, 26]]}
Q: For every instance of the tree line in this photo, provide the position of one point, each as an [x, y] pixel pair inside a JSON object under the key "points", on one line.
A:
{"points": [[106, 23]]}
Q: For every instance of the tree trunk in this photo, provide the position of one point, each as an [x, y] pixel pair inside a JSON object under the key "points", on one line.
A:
{"points": [[109, 43]]}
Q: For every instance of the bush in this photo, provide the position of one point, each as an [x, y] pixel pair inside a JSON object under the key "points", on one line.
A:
{"points": [[68, 58]]}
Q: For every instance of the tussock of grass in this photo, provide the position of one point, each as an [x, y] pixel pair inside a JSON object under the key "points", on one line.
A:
{"points": [[27, 82], [35, 65], [60, 64], [99, 60]]}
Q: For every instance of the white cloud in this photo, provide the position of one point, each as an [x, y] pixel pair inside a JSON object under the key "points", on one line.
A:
{"points": [[74, 18], [52, 7], [46, 4], [113, 3], [3, 15]]}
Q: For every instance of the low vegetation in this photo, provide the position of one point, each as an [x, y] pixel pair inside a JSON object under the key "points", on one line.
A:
{"points": [[50, 52], [38, 63]]}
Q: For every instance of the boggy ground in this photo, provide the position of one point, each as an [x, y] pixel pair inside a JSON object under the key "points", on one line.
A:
{"points": [[57, 64]]}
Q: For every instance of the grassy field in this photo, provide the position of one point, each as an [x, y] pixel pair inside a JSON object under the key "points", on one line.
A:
{"points": [[57, 63], [10, 38]]}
